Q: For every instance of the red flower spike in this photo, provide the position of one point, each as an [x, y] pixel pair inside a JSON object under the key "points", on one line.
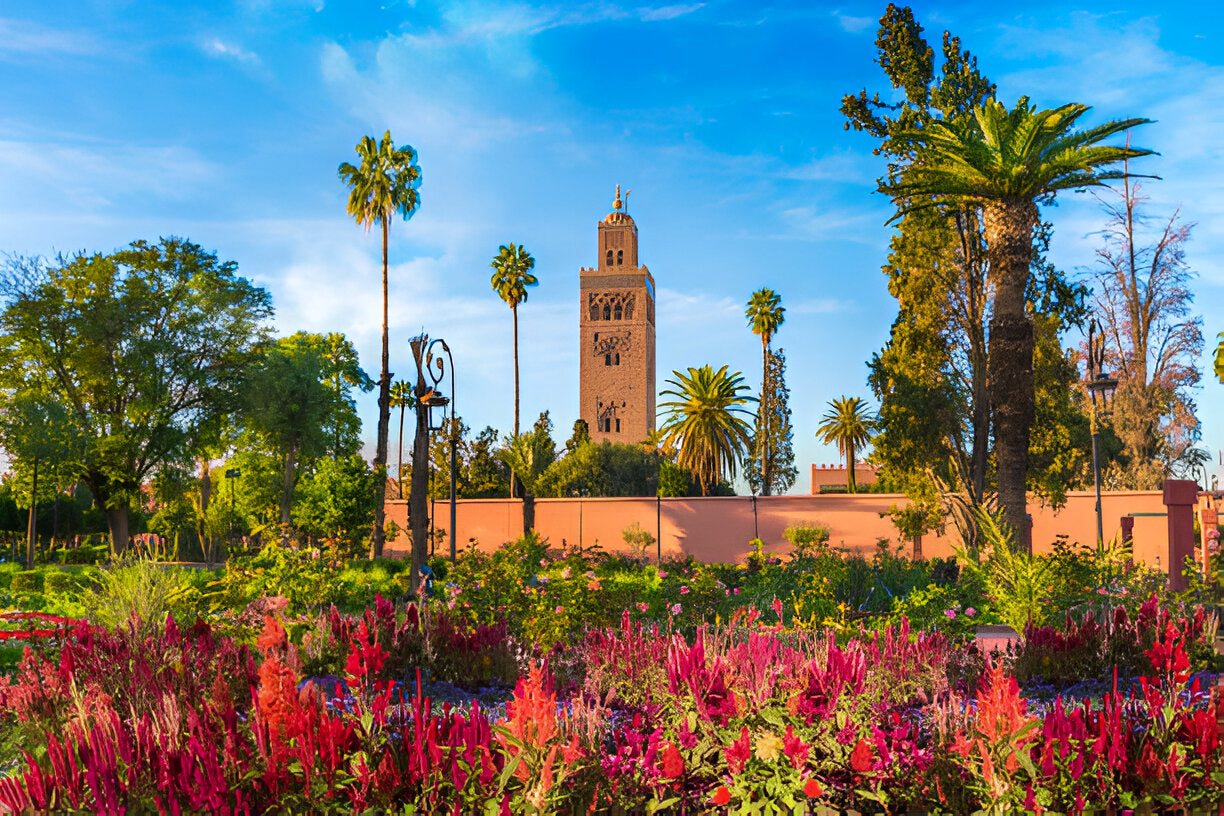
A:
{"points": [[721, 796], [812, 789]]}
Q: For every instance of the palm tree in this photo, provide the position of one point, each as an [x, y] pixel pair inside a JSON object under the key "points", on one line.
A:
{"points": [[764, 317], [511, 277], [1004, 161], [401, 398], [528, 456], [847, 425], [705, 422], [385, 184]]}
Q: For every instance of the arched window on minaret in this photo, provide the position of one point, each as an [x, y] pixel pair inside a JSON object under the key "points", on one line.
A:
{"points": [[609, 257], [607, 359], [607, 312], [620, 257], [617, 358], [618, 311]]}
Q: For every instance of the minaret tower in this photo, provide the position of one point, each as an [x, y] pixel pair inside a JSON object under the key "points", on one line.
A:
{"points": [[617, 331]]}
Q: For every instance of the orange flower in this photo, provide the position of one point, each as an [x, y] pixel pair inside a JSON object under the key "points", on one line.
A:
{"points": [[812, 789], [721, 796]]}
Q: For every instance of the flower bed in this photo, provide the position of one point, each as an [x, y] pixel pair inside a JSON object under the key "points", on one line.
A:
{"points": [[742, 717]]}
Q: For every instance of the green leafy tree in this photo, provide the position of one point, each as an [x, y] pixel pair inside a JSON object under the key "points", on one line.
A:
{"points": [[385, 183], [401, 398], [765, 316], [528, 456], [341, 374], [38, 433], [774, 434], [336, 500], [1004, 161], [288, 406], [511, 277], [142, 347], [602, 469], [705, 423], [1219, 359], [848, 425]]}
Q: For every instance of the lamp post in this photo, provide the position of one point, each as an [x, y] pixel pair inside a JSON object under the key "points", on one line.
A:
{"points": [[436, 368], [1101, 389]]}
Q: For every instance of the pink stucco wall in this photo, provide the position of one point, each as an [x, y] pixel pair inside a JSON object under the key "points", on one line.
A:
{"points": [[719, 529]]}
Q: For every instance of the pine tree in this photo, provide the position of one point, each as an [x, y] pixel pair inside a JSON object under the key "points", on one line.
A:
{"points": [[775, 414]]}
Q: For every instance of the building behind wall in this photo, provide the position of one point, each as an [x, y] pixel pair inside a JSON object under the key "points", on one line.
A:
{"points": [[617, 335]]}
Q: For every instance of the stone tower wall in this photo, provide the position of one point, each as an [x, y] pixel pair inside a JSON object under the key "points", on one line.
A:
{"points": [[617, 337]]}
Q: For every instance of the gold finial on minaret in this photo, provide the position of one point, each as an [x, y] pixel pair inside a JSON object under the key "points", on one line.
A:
{"points": [[616, 205]]}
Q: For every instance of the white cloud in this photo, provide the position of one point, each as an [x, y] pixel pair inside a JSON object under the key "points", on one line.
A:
{"points": [[218, 48], [668, 12], [22, 37], [854, 25]]}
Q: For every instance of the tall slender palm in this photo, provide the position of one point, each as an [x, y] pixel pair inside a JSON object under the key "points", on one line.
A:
{"points": [[848, 425], [1004, 161], [385, 184], [705, 422], [511, 276], [764, 315], [401, 398]]}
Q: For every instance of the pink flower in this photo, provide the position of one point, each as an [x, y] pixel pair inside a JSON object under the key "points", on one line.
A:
{"points": [[1102, 591], [949, 614], [735, 591], [643, 606], [543, 562], [1213, 533], [559, 610], [684, 590], [662, 573], [675, 610], [971, 611], [727, 593], [565, 573]]}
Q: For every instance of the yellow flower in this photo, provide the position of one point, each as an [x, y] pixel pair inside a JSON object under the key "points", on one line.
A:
{"points": [[768, 746]]}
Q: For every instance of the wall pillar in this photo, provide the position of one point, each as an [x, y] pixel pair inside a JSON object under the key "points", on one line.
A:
{"points": [[1181, 498]]}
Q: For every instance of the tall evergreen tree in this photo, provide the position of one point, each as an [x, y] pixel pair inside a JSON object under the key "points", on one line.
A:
{"points": [[772, 442], [765, 316]]}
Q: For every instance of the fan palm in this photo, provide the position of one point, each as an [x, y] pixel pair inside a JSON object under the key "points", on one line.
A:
{"points": [[1004, 161], [511, 276], [764, 315], [705, 422], [401, 398], [848, 425], [528, 456], [384, 184]]}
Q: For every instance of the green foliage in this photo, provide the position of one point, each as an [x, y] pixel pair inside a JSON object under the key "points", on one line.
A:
{"points": [[27, 582], [848, 424], [1017, 582], [777, 436], [141, 592], [638, 540], [336, 500], [674, 481], [602, 469], [512, 274], [1219, 359], [144, 345], [705, 423], [807, 539]]}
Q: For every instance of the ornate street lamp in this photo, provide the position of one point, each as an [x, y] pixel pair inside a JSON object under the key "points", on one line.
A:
{"points": [[1101, 389], [436, 368]]}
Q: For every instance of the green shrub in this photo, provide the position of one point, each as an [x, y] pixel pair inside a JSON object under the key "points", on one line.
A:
{"points": [[141, 590], [806, 537], [27, 581], [88, 553], [58, 582]]}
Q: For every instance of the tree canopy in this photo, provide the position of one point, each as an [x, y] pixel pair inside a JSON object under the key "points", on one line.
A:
{"points": [[142, 346]]}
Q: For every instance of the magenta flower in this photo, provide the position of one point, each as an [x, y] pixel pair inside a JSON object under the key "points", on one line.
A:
{"points": [[735, 591], [950, 614], [971, 611], [662, 573], [684, 590], [675, 610]]}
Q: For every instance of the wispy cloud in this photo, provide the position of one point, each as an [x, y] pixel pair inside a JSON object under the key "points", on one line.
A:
{"points": [[853, 25], [22, 37], [668, 12], [218, 48]]}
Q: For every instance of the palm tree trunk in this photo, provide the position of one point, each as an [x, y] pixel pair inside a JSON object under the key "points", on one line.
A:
{"points": [[384, 417], [764, 414], [514, 312], [851, 482], [399, 473], [1009, 241]]}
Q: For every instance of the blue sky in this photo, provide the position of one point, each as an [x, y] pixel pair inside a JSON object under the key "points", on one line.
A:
{"points": [[225, 122]]}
